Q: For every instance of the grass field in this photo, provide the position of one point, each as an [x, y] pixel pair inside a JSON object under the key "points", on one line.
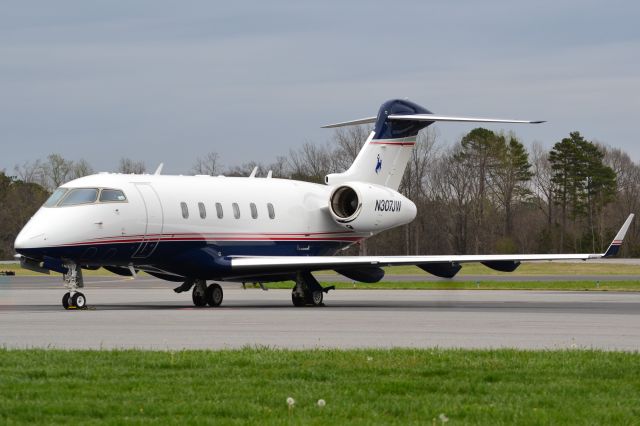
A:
{"points": [[360, 387], [597, 285]]}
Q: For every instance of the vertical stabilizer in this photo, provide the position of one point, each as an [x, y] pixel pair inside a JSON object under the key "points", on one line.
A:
{"points": [[384, 156]]}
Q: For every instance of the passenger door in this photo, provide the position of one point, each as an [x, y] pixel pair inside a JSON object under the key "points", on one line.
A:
{"points": [[155, 220]]}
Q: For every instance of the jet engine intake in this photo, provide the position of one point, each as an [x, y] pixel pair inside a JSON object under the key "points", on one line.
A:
{"points": [[365, 207]]}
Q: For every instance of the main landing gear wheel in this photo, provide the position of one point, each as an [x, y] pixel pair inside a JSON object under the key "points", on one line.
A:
{"points": [[77, 301], [308, 291], [214, 295], [198, 295], [297, 300], [315, 298], [308, 299]]}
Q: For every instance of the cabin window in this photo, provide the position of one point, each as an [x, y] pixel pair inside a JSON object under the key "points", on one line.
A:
{"points": [[219, 211], [236, 210], [55, 197], [272, 212], [203, 211], [80, 196], [254, 210], [185, 210], [112, 196]]}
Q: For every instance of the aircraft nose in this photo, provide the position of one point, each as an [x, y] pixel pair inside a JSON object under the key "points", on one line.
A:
{"points": [[22, 241], [29, 238]]}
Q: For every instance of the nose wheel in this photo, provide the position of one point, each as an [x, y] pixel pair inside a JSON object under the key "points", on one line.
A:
{"points": [[76, 300]]}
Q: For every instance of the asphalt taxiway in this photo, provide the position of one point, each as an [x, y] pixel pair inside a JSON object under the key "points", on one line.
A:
{"points": [[146, 313]]}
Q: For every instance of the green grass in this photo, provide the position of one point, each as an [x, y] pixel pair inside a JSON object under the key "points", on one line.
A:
{"points": [[360, 387], [536, 268], [600, 285]]}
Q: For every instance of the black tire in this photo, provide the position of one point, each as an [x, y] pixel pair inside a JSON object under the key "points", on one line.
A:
{"points": [[297, 300], [199, 299], [214, 295], [315, 298], [79, 301], [65, 300]]}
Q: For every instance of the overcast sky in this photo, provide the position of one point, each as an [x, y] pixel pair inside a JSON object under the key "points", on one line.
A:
{"points": [[168, 81]]}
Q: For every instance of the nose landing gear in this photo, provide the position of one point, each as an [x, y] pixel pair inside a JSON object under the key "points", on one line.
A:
{"points": [[73, 299]]}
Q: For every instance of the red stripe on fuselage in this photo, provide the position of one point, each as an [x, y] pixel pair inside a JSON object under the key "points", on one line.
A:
{"points": [[393, 143], [192, 237]]}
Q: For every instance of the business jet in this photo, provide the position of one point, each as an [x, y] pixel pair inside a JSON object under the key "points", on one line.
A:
{"points": [[199, 229]]}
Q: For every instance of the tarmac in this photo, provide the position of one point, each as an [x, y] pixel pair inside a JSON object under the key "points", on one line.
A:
{"points": [[145, 313]]}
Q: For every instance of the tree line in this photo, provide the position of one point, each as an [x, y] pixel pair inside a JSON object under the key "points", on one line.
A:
{"points": [[484, 194]]}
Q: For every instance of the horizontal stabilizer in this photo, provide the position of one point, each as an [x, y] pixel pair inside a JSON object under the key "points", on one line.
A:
{"points": [[367, 120], [433, 117], [429, 118]]}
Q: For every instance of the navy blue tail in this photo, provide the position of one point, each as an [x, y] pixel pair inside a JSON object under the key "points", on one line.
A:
{"points": [[396, 129]]}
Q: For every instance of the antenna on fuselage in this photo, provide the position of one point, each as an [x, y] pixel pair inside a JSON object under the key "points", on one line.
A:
{"points": [[159, 169], [269, 174], [253, 173]]}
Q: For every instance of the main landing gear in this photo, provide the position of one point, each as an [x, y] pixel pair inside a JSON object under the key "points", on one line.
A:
{"points": [[308, 291], [73, 299], [202, 295]]}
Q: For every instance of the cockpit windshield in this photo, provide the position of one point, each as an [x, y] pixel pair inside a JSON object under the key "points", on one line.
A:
{"points": [[55, 197], [65, 197], [80, 196]]}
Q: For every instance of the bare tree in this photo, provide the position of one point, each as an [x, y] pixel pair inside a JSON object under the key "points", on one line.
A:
{"points": [[451, 190], [32, 172], [208, 165], [311, 162], [414, 183], [81, 168], [129, 166], [279, 167], [542, 183], [57, 171], [348, 143], [246, 169]]}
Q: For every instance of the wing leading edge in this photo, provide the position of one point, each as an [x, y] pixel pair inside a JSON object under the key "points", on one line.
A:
{"points": [[502, 262]]}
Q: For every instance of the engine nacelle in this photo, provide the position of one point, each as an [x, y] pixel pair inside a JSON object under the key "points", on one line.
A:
{"points": [[365, 207]]}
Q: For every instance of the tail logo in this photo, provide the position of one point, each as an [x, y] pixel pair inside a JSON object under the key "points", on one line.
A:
{"points": [[378, 165]]}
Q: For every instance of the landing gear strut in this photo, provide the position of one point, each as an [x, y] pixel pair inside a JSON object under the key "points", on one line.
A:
{"points": [[308, 291], [73, 299], [203, 295]]}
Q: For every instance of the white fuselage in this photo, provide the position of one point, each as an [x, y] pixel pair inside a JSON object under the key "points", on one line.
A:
{"points": [[165, 216]]}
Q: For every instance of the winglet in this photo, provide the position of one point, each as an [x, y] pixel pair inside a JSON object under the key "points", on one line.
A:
{"points": [[617, 241]]}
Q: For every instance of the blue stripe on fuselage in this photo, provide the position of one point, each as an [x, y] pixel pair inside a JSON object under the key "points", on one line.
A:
{"points": [[201, 259]]}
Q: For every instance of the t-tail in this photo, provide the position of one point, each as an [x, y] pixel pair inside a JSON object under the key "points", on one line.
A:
{"points": [[384, 156]]}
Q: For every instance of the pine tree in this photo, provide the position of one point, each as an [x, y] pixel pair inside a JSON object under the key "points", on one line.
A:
{"points": [[510, 176], [583, 184]]}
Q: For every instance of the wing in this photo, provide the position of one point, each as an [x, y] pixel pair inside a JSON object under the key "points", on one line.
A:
{"points": [[444, 266]]}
